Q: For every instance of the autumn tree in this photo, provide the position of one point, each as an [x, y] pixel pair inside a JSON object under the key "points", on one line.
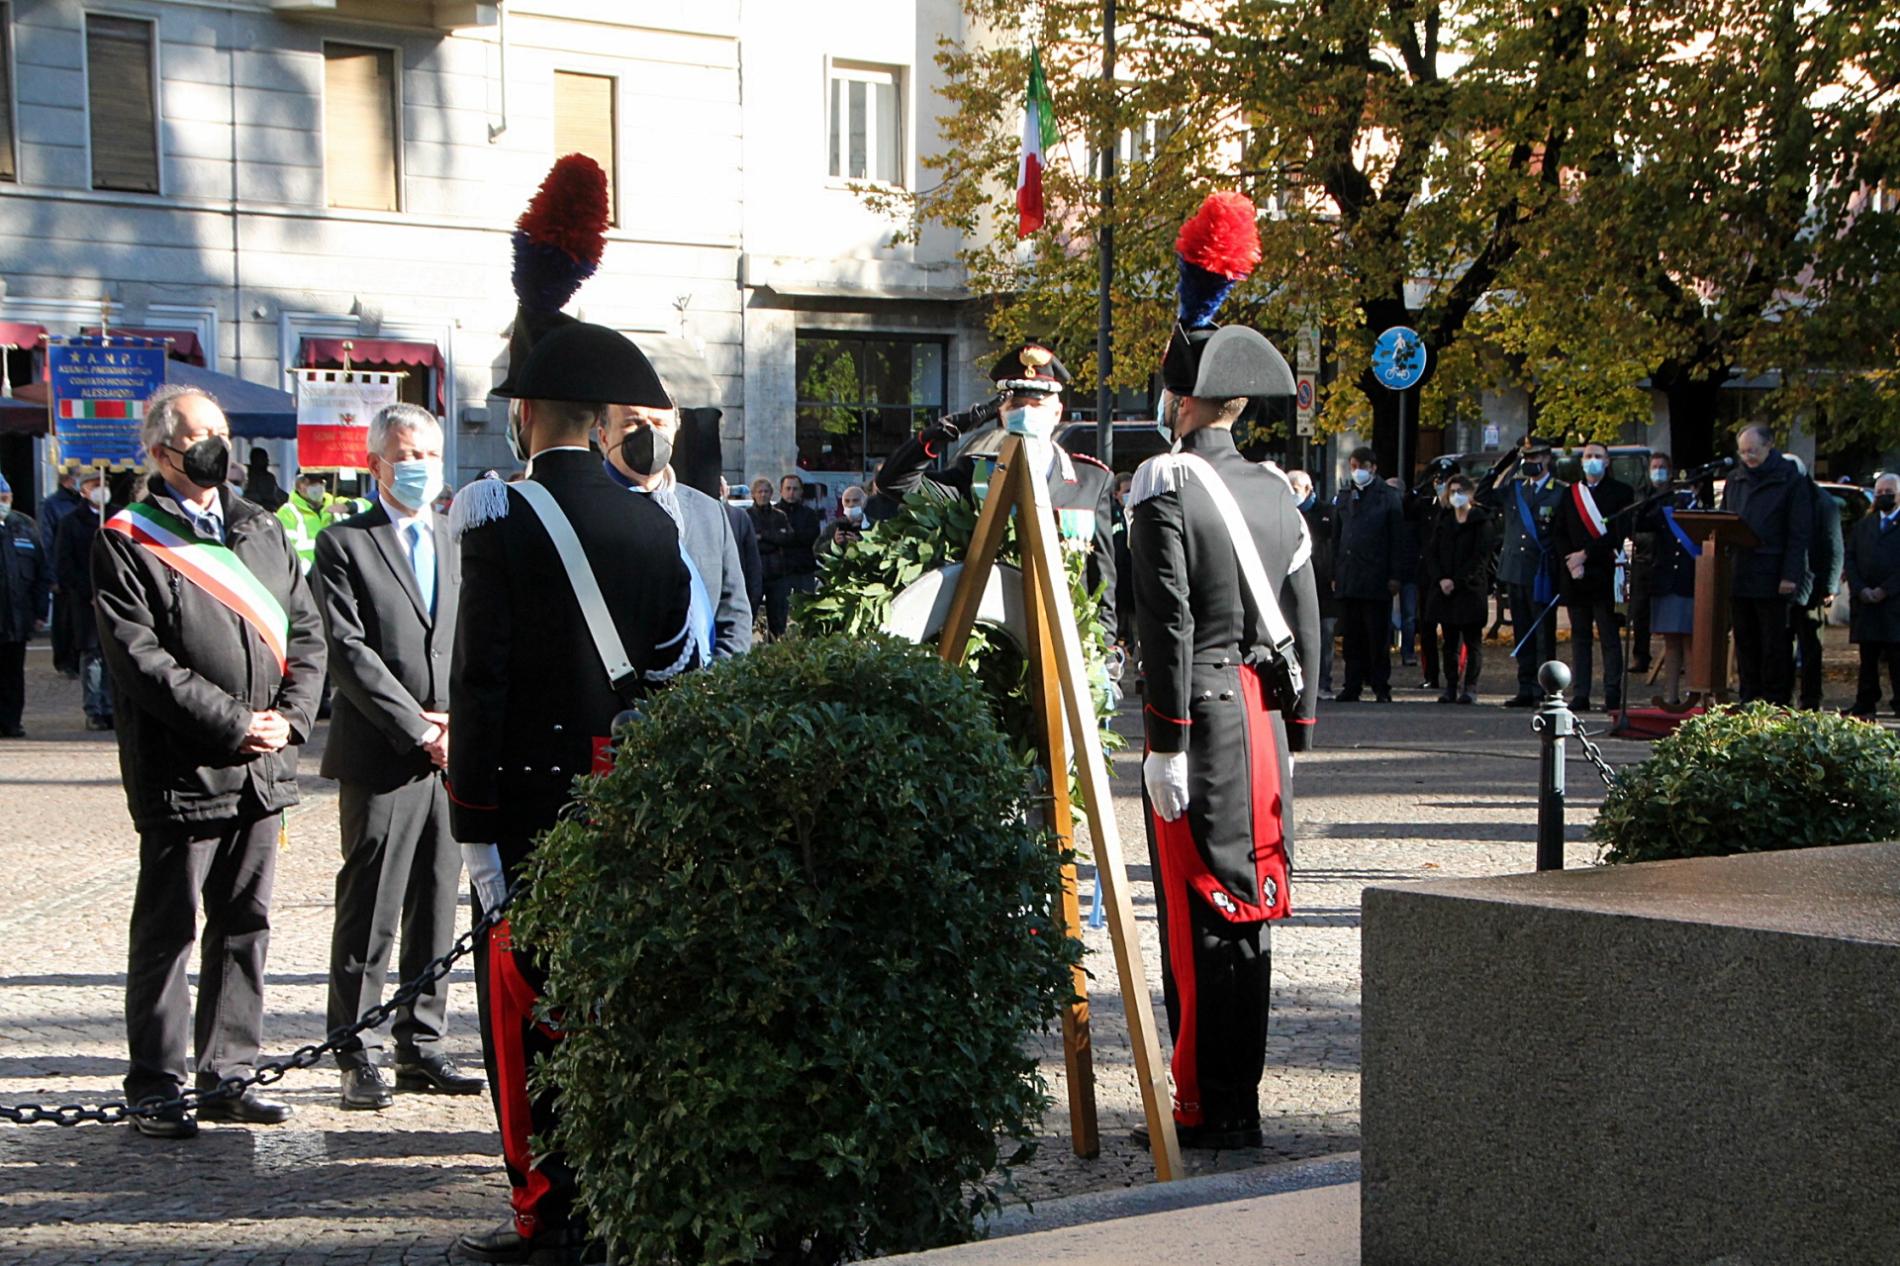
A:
{"points": [[1735, 224], [1400, 151]]}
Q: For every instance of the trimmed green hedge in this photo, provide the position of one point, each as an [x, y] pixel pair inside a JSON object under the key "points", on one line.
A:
{"points": [[1745, 780], [802, 944]]}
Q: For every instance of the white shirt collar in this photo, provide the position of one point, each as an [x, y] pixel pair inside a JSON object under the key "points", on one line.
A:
{"points": [[425, 517]]}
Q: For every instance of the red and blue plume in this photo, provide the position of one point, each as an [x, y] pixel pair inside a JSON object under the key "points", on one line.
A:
{"points": [[1217, 247], [560, 237]]}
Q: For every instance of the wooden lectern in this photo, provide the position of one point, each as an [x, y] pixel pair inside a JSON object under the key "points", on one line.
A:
{"points": [[1719, 533]]}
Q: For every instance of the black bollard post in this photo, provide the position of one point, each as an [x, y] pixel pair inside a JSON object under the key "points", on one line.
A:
{"points": [[1554, 722]]}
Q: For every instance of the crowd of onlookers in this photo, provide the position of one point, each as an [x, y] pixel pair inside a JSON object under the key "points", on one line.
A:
{"points": [[1424, 570], [1425, 573]]}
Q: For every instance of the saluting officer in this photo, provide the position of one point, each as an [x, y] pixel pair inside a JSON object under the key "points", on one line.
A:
{"points": [[534, 706], [1030, 381], [1229, 619]]}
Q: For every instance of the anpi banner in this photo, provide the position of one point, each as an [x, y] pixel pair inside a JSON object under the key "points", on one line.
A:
{"points": [[99, 390], [334, 407]]}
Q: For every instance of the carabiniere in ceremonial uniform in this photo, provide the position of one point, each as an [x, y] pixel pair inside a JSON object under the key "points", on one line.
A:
{"points": [[1229, 664]]}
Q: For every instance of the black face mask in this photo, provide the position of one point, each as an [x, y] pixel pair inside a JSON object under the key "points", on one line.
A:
{"points": [[205, 463], [1884, 501], [646, 451]]}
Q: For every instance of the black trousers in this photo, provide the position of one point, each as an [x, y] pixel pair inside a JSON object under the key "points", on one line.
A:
{"points": [[12, 684], [231, 865], [400, 872], [66, 613], [1592, 623], [1365, 623], [1764, 655], [1468, 638], [778, 598], [1807, 636], [543, 1189], [1639, 626], [1429, 598], [1543, 647], [1872, 654]]}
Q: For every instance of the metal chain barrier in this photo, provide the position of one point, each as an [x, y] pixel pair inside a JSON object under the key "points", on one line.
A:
{"points": [[1594, 755], [269, 1073]]}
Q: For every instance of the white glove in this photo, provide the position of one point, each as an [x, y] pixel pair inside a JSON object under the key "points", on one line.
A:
{"points": [[484, 871], [1166, 775]]}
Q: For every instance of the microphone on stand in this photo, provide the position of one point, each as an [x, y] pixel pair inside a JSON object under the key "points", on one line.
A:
{"points": [[1715, 467]]}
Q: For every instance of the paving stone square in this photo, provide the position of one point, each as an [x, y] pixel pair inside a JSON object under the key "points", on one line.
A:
{"points": [[1394, 792]]}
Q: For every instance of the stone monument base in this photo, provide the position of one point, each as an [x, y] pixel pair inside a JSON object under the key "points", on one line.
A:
{"points": [[1676, 1062]]}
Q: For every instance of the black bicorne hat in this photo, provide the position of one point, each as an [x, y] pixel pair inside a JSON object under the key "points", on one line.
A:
{"points": [[591, 364], [1224, 363]]}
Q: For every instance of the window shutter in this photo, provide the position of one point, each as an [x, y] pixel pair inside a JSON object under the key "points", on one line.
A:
{"points": [[359, 126], [584, 124], [7, 169], [119, 104]]}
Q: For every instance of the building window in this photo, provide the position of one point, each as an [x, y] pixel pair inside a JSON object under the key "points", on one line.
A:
{"points": [[362, 142], [121, 105], [867, 124], [860, 397], [9, 162], [584, 123]]}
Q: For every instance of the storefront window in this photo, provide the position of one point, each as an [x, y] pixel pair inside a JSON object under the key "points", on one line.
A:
{"points": [[860, 397]]}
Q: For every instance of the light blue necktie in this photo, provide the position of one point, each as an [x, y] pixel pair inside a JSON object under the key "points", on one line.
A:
{"points": [[422, 561]]}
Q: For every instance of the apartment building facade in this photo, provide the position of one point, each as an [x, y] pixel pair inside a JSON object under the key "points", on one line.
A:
{"points": [[264, 181]]}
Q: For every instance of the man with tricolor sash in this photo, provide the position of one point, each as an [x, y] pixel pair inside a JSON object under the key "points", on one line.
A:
{"points": [[1590, 530], [216, 656]]}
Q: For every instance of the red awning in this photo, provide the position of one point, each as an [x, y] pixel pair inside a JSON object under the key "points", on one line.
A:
{"points": [[25, 411], [380, 353], [185, 345], [21, 334]]}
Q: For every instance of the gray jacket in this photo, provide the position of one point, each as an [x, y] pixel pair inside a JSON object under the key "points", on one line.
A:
{"points": [[715, 552]]}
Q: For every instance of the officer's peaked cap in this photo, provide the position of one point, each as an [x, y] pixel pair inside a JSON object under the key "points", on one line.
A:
{"points": [[591, 364], [1030, 368]]}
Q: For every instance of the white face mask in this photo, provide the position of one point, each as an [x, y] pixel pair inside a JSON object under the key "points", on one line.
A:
{"points": [[100, 495], [1165, 411], [1459, 500], [1361, 476], [1037, 422]]}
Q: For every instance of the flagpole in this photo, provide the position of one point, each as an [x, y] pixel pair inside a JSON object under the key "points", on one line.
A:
{"points": [[1105, 311]]}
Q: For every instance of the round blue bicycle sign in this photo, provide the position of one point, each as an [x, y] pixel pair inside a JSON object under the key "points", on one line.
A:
{"points": [[1398, 358]]}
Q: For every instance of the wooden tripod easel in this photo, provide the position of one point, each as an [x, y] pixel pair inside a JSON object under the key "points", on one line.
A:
{"points": [[1059, 692]]}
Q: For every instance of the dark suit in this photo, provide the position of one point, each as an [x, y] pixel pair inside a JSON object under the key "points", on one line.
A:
{"points": [[1222, 868], [533, 708], [389, 660], [1873, 562], [1591, 597]]}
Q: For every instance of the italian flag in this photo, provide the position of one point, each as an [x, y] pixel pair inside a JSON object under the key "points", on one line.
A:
{"points": [[100, 408], [1039, 137]]}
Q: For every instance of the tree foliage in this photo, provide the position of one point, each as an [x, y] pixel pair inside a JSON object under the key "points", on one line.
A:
{"points": [[1731, 224], [1567, 195]]}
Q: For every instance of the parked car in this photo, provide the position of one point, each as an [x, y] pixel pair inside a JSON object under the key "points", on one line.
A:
{"points": [[1135, 442]]}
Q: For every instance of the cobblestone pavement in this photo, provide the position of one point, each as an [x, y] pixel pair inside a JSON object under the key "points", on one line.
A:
{"points": [[1400, 792]]}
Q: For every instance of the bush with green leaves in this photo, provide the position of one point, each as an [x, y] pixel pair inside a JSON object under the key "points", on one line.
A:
{"points": [[801, 938], [860, 581], [1753, 779]]}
